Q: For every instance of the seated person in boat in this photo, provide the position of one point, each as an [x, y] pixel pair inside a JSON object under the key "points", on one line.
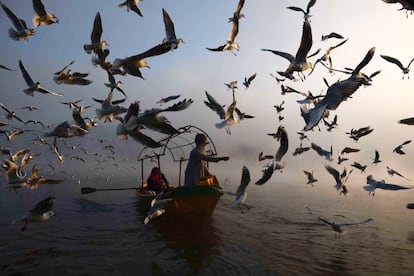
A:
{"points": [[157, 181], [197, 163]]}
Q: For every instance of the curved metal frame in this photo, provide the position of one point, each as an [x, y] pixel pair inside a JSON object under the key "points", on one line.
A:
{"points": [[166, 146]]}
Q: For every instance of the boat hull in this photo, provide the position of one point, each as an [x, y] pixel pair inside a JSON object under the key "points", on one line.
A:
{"points": [[197, 201]]}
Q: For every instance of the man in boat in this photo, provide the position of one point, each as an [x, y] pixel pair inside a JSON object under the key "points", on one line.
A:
{"points": [[157, 181], [197, 163]]}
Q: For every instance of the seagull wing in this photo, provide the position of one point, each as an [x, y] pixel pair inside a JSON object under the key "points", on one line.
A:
{"points": [[180, 105], [234, 31], [144, 139], [407, 121], [355, 223], [26, 75], [97, 29], [39, 8], [64, 68], [169, 26], [245, 180], [296, 9], [239, 7], [17, 22], [218, 49], [267, 174], [334, 173], [393, 60], [287, 56], [364, 61], [6, 68], [215, 106], [45, 91], [306, 42], [135, 9], [43, 206], [284, 143]]}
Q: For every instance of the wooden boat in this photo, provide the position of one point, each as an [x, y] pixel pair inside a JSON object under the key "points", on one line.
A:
{"points": [[187, 202]]}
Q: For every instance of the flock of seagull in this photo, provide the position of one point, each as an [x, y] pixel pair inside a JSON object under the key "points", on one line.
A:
{"points": [[133, 123], [316, 109]]}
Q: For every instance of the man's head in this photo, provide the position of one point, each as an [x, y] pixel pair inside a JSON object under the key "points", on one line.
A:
{"points": [[201, 139]]}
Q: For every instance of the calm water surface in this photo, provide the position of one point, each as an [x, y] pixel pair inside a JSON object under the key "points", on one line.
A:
{"points": [[103, 234]]}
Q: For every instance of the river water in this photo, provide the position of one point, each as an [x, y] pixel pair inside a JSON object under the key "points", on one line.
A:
{"points": [[103, 233]]}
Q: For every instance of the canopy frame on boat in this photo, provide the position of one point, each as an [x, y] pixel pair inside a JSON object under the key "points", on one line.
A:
{"points": [[178, 146]]}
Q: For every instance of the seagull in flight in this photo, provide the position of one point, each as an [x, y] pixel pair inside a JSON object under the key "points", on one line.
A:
{"points": [[374, 184], [21, 32], [310, 176], [34, 86], [322, 152], [170, 38], [405, 70], [96, 42], [157, 208], [399, 149], [131, 5], [298, 63], [11, 114], [42, 16], [131, 65], [391, 172], [247, 81], [231, 45], [340, 178], [376, 159], [306, 14], [337, 227], [241, 193], [338, 92], [42, 211]]}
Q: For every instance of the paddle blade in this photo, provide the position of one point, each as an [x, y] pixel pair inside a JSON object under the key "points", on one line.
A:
{"points": [[87, 190]]}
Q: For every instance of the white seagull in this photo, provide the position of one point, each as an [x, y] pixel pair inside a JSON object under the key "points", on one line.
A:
{"points": [[34, 86], [298, 63], [39, 213], [96, 42], [41, 15], [405, 70], [337, 227], [231, 45], [131, 5], [170, 37], [21, 32]]}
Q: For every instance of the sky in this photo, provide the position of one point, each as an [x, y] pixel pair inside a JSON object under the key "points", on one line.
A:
{"points": [[190, 70]]}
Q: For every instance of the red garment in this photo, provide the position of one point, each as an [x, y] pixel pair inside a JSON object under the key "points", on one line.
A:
{"points": [[154, 180]]}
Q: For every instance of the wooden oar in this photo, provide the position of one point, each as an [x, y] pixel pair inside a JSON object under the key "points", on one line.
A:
{"points": [[89, 190]]}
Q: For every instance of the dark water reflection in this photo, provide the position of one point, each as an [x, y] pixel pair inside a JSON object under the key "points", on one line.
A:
{"points": [[104, 234]]}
